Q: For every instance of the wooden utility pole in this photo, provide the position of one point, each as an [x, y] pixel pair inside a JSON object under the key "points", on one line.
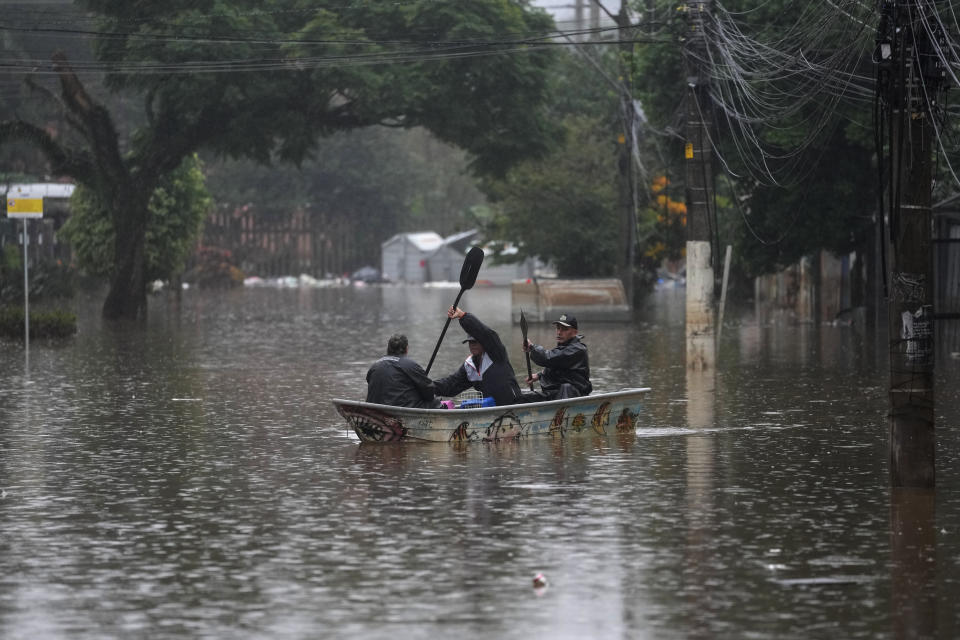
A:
{"points": [[913, 81], [699, 169]]}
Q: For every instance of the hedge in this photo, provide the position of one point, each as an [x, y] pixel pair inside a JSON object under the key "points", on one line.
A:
{"points": [[43, 324]]}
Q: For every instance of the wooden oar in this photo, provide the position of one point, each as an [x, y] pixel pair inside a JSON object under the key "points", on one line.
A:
{"points": [[468, 276], [523, 329]]}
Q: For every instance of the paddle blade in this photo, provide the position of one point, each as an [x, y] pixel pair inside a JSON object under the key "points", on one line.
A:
{"points": [[523, 325], [471, 267]]}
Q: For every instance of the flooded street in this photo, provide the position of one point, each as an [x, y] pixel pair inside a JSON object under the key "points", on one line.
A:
{"points": [[191, 479]]}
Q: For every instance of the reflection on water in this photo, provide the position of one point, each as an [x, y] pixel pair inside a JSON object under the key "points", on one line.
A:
{"points": [[191, 479]]}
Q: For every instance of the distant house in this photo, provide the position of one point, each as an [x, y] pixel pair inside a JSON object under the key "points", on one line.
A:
{"points": [[445, 263], [404, 256], [506, 272], [426, 257]]}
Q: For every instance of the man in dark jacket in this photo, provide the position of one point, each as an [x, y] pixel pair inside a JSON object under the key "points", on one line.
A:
{"points": [[398, 381], [566, 369], [487, 369]]}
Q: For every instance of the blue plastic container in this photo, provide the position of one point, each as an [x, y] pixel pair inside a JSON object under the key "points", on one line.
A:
{"points": [[476, 403]]}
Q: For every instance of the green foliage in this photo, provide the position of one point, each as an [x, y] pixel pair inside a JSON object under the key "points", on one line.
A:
{"points": [[829, 197], [177, 209], [11, 285], [373, 182], [48, 279], [832, 210], [564, 207], [492, 105], [269, 80], [43, 324]]}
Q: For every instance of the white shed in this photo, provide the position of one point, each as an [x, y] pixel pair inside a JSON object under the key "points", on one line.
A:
{"points": [[447, 261], [404, 256]]}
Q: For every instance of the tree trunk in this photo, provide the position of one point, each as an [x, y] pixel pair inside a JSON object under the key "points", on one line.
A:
{"points": [[127, 298]]}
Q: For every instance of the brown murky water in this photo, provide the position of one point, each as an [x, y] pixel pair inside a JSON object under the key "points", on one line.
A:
{"points": [[190, 479]]}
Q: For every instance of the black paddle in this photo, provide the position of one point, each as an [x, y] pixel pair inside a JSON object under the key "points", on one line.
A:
{"points": [[523, 329], [468, 276]]}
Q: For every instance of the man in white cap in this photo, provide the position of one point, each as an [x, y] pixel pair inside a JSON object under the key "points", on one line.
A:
{"points": [[566, 369]]}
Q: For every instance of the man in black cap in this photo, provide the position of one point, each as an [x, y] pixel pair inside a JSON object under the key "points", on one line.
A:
{"points": [[566, 369], [398, 381], [487, 369]]}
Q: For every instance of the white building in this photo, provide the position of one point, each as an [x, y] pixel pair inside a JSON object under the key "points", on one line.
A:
{"points": [[404, 256]]}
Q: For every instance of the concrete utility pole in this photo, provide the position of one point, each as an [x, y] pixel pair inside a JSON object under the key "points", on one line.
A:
{"points": [[578, 18], [699, 170], [914, 78]]}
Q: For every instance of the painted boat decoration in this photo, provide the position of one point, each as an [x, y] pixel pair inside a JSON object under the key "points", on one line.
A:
{"points": [[598, 414]]}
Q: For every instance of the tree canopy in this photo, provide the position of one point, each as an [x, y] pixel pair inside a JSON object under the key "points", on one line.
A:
{"points": [[270, 79], [563, 208]]}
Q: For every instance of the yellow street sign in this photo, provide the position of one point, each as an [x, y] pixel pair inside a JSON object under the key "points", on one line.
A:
{"points": [[24, 206]]}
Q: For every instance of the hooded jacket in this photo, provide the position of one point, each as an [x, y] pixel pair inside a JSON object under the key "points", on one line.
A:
{"points": [[494, 377]]}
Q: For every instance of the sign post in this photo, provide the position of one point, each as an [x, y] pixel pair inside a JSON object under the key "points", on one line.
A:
{"points": [[25, 204]]}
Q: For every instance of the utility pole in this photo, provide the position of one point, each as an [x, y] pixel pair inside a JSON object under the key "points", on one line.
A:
{"points": [[627, 188], [578, 18], [699, 170], [912, 76]]}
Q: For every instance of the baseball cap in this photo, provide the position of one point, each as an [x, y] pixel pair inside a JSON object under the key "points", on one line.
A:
{"points": [[566, 320]]}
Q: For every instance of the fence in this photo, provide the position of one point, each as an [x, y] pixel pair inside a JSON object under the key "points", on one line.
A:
{"points": [[947, 270], [44, 246], [301, 243]]}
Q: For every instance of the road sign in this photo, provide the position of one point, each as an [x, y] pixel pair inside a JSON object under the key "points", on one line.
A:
{"points": [[23, 204]]}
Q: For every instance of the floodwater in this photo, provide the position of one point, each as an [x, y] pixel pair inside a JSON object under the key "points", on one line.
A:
{"points": [[190, 479]]}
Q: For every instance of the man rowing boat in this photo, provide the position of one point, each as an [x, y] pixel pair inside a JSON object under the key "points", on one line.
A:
{"points": [[487, 369]]}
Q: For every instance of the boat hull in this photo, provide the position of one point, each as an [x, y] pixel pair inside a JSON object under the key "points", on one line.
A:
{"points": [[599, 414]]}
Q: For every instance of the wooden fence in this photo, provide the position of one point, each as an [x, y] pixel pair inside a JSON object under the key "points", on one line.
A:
{"points": [[301, 243], [298, 244]]}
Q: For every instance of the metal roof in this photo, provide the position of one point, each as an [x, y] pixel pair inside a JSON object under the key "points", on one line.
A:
{"points": [[45, 189]]}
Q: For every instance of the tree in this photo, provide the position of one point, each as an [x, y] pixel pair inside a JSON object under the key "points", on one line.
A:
{"points": [[792, 130], [177, 210], [374, 182], [563, 208], [269, 79]]}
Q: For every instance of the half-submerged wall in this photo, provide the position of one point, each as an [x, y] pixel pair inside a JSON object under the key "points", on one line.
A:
{"points": [[591, 300], [818, 289]]}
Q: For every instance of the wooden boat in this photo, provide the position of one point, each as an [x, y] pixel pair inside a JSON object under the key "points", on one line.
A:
{"points": [[599, 414]]}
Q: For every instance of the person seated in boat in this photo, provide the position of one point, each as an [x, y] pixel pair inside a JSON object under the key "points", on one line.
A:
{"points": [[398, 381], [566, 368], [487, 369]]}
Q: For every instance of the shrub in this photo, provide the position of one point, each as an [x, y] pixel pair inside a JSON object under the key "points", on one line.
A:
{"points": [[49, 279], [214, 268], [43, 324]]}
